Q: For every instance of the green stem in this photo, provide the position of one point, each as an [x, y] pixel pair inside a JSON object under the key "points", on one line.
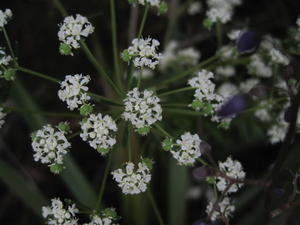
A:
{"points": [[174, 105], [114, 41], [8, 42], [182, 112], [104, 99], [155, 208], [203, 162], [98, 67], [158, 127], [143, 21], [103, 183], [60, 8], [176, 91], [74, 135], [41, 75]]}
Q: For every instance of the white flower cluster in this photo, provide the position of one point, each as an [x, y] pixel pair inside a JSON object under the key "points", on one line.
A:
{"points": [[6, 65], [277, 132], [258, 67], [234, 34], [183, 57], [233, 169], [278, 57], [73, 29], [102, 220], [205, 88], [73, 90], [143, 52], [227, 90], [220, 209], [248, 84], [5, 16], [50, 145], [155, 3], [2, 117], [187, 149], [194, 8], [225, 71], [142, 109], [221, 10], [144, 73], [58, 214], [99, 132], [133, 180], [5, 59]]}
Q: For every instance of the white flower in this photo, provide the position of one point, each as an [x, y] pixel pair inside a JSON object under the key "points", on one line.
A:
{"points": [[188, 56], [222, 15], [5, 16], [2, 117], [143, 73], [225, 71], [263, 113], [142, 109], [258, 67], [143, 52], [99, 132], [5, 59], [278, 57], [155, 3], [133, 180], [217, 210], [187, 150], [6, 65], [234, 34], [107, 217], [74, 29], [248, 84], [58, 214], [277, 132], [194, 8], [233, 169], [227, 90], [50, 145], [73, 90]]}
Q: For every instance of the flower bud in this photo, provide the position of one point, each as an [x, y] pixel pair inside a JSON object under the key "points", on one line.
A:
{"points": [[56, 168], [167, 144], [9, 74], [163, 8], [143, 130], [110, 213], [86, 109], [148, 162], [247, 42], [103, 151], [64, 127], [233, 106], [125, 55], [65, 49]]}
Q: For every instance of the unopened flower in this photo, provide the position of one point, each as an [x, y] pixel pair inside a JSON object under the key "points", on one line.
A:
{"points": [[59, 214], [218, 210], [258, 67], [2, 117], [143, 53], [247, 42], [73, 90], [99, 131], [278, 57], [232, 169], [107, 217], [7, 70], [72, 31], [187, 149], [50, 145], [142, 109], [133, 179], [5, 16]]}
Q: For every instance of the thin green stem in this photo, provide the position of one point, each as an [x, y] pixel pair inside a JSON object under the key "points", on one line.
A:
{"points": [[98, 67], [60, 8], [114, 41], [176, 91], [104, 99], [143, 21], [74, 135], [155, 208], [203, 162], [8, 42], [174, 105], [41, 75], [103, 183], [158, 127]]}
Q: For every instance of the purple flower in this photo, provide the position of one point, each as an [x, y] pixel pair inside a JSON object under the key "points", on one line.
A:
{"points": [[247, 42], [233, 106]]}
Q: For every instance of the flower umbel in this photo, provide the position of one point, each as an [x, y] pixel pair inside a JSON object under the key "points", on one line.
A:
{"points": [[99, 132], [220, 210], [50, 146], [60, 214], [133, 180], [107, 217], [7, 70], [142, 109], [5, 16], [73, 90]]}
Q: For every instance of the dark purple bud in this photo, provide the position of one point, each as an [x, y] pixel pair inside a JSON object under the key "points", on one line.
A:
{"points": [[201, 172], [199, 222], [279, 192], [247, 42], [288, 114], [258, 91], [233, 106], [205, 148]]}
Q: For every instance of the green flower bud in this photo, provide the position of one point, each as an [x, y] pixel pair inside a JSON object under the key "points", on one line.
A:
{"points": [[163, 8], [196, 104], [148, 162], [103, 151], [86, 109], [143, 130], [207, 23], [65, 49], [56, 168], [211, 180], [125, 55], [110, 213], [9, 74], [64, 127], [167, 144]]}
